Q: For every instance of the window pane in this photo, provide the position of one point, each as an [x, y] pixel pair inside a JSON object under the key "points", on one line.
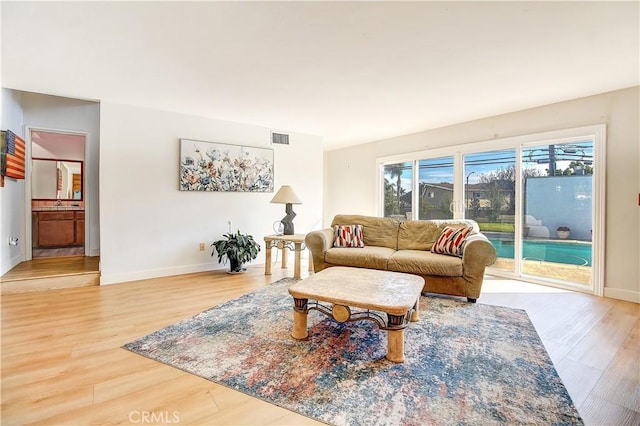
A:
{"points": [[436, 188], [397, 190], [489, 199]]}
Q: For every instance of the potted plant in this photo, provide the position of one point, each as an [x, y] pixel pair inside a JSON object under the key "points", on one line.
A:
{"points": [[238, 248], [563, 231]]}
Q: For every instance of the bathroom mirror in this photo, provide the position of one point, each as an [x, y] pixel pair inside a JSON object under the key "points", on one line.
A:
{"points": [[53, 179]]}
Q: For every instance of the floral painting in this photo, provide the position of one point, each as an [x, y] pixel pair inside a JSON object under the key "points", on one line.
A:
{"points": [[210, 166]]}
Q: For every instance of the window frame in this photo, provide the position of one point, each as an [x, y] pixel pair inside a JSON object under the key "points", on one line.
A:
{"points": [[596, 133]]}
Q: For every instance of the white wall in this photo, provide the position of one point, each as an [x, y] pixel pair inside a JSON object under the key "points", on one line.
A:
{"points": [[350, 173], [57, 113], [149, 228], [12, 202]]}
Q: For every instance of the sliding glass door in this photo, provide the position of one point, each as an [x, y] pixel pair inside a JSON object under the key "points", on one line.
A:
{"points": [[538, 198], [555, 225], [558, 214]]}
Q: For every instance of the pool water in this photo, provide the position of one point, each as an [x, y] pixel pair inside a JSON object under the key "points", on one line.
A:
{"points": [[567, 252]]}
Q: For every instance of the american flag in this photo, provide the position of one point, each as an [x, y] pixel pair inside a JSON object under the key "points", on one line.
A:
{"points": [[13, 146]]}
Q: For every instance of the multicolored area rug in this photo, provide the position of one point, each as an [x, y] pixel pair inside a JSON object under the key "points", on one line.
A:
{"points": [[465, 363]]}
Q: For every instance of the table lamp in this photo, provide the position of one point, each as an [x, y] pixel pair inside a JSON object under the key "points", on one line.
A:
{"points": [[286, 195]]}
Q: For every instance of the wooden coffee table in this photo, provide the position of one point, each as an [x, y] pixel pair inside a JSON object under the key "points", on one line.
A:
{"points": [[394, 293]]}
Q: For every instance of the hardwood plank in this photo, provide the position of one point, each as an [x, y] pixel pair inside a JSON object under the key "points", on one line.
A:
{"points": [[556, 351], [579, 379], [620, 382], [577, 323], [151, 374], [121, 409], [603, 341], [22, 411], [597, 411]]}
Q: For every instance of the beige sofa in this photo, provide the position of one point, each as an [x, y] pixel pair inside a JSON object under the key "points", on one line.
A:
{"points": [[405, 246]]}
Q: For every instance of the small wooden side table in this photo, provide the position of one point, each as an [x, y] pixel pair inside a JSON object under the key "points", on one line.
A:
{"points": [[284, 242]]}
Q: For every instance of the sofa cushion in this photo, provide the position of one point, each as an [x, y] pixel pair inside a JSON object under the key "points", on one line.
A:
{"points": [[367, 257], [348, 236], [417, 235], [425, 263], [377, 231], [451, 240]]}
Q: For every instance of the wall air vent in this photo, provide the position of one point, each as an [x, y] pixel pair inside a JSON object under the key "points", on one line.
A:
{"points": [[279, 138]]}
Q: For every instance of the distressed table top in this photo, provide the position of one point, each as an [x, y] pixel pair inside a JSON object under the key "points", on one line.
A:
{"points": [[391, 292]]}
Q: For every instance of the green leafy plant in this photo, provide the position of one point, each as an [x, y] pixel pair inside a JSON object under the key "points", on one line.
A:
{"points": [[239, 248]]}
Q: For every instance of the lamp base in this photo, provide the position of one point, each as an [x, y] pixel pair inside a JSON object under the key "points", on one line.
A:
{"points": [[287, 221]]}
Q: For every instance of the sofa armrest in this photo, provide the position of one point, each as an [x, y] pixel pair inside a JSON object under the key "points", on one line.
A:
{"points": [[318, 242], [477, 255]]}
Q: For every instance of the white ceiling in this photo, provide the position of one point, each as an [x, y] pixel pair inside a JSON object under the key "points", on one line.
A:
{"points": [[351, 72]]}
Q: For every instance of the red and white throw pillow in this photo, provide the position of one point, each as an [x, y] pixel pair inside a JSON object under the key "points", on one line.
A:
{"points": [[451, 241], [348, 236]]}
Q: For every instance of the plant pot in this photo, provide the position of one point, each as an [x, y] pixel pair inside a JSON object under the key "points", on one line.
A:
{"points": [[235, 267], [563, 234]]}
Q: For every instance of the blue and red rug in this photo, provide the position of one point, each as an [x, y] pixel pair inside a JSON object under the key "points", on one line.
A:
{"points": [[465, 363]]}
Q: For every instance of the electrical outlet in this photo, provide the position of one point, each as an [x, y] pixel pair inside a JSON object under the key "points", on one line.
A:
{"points": [[201, 246]]}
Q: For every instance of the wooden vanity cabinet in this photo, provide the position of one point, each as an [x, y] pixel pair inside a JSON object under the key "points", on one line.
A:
{"points": [[58, 228], [79, 221]]}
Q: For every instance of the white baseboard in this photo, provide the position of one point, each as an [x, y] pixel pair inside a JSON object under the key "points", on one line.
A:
{"points": [[106, 278], [94, 252], [628, 295]]}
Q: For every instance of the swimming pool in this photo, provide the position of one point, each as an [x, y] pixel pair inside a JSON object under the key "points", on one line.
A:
{"points": [[567, 252]]}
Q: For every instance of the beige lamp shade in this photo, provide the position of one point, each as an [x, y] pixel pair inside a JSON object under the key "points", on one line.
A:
{"points": [[286, 195]]}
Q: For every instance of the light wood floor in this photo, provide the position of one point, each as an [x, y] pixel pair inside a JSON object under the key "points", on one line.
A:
{"points": [[62, 362]]}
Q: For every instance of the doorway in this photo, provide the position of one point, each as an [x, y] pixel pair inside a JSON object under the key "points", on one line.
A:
{"points": [[57, 200]]}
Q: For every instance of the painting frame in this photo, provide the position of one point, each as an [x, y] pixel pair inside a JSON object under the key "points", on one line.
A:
{"points": [[222, 167]]}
